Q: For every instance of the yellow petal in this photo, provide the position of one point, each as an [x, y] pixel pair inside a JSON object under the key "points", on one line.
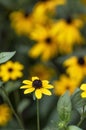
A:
{"points": [[83, 95], [46, 85], [83, 87], [46, 91], [34, 78], [38, 94], [29, 90], [45, 82], [27, 82], [25, 86]]}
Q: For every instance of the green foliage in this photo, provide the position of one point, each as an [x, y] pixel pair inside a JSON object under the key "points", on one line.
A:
{"points": [[5, 56], [77, 101], [64, 108], [72, 127]]}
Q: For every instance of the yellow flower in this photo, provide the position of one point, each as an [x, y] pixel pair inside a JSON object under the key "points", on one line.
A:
{"points": [[76, 67], [21, 22], [39, 86], [42, 71], [43, 7], [47, 44], [63, 84], [5, 114], [11, 70], [83, 88], [68, 33]]}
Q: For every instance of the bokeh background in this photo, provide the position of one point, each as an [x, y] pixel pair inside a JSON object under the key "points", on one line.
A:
{"points": [[44, 34]]}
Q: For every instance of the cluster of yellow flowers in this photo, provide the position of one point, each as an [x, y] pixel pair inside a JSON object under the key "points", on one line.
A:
{"points": [[50, 35]]}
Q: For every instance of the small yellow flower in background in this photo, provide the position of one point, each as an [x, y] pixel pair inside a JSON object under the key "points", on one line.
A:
{"points": [[76, 67], [68, 33], [42, 71], [5, 114], [45, 6], [63, 84], [11, 70], [21, 22], [39, 86], [83, 88], [47, 44]]}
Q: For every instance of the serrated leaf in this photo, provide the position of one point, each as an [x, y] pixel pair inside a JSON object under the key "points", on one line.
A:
{"points": [[72, 127], [77, 101], [5, 56], [64, 107]]}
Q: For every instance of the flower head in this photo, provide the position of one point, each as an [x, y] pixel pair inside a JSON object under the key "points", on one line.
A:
{"points": [[63, 84], [11, 70], [68, 33], [21, 22], [42, 71], [5, 114], [76, 67], [83, 88], [39, 86], [47, 44]]}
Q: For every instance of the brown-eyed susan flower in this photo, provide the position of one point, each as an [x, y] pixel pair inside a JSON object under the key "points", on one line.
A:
{"points": [[21, 22], [83, 88], [76, 67], [63, 84], [5, 114], [47, 44], [11, 70], [39, 86], [42, 71], [68, 33]]}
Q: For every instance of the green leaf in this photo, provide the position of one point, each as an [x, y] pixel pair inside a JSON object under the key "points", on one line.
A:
{"points": [[5, 56], [77, 101], [64, 107], [72, 127]]}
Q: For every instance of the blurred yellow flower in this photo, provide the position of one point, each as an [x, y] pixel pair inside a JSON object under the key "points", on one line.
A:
{"points": [[39, 86], [11, 70], [63, 84], [42, 71], [68, 33], [83, 88], [21, 22], [76, 67], [43, 7], [47, 44], [5, 114]]}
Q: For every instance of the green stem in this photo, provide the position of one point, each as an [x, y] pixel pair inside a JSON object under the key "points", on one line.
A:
{"points": [[17, 117], [82, 118], [38, 120]]}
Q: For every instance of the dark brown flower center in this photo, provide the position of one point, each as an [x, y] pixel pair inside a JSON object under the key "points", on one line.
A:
{"points": [[26, 14], [48, 40], [67, 87], [81, 61], [10, 69], [37, 83], [68, 20]]}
